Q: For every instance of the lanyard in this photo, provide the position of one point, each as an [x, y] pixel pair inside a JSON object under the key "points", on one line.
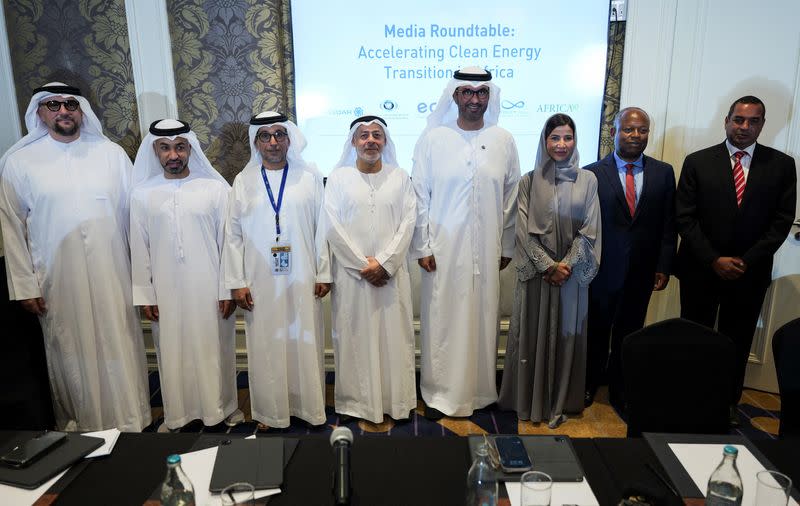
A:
{"points": [[276, 207]]}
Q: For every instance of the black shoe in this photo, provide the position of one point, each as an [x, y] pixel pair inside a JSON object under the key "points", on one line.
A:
{"points": [[734, 417], [433, 414], [344, 418]]}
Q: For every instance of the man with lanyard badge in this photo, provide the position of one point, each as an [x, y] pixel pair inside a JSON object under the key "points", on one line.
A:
{"points": [[278, 270]]}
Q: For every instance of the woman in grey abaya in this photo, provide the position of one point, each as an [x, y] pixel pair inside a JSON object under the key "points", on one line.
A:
{"points": [[557, 256]]}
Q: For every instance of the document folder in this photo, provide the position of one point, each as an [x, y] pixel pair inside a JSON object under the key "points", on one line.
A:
{"points": [[73, 449], [255, 461], [553, 455]]}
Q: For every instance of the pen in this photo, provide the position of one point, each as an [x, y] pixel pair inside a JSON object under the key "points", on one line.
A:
{"points": [[662, 479]]}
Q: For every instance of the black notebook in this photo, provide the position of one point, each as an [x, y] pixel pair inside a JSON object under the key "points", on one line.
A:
{"points": [[255, 461], [73, 449]]}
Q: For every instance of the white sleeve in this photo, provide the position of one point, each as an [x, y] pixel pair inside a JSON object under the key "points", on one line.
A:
{"points": [[233, 248], [323, 251], [396, 252], [144, 293], [420, 178], [14, 210], [221, 208], [510, 200]]}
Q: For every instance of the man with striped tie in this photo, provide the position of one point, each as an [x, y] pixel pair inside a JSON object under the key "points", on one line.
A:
{"points": [[735, 204]]}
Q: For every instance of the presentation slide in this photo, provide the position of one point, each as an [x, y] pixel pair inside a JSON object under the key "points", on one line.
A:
{"points": [[394, 59]]}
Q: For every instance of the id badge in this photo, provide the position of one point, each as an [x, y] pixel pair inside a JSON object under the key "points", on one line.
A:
{"points": [[281, 259]]}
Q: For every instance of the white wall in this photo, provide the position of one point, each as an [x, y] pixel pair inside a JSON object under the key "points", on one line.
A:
{"points": [[685, 62]]}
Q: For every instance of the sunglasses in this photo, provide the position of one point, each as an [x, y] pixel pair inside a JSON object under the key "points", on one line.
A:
{"points": [[55, 105]]}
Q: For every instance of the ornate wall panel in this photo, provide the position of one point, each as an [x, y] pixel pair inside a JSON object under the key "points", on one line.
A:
{"points": [[616, 48], [80, 42], [232, 59]]}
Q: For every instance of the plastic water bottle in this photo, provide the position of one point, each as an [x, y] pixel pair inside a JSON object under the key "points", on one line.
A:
{"points": [[481, 481], [725, 484], [176, 490]]}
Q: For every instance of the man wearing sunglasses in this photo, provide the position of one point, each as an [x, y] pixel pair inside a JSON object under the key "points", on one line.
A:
{"points": [[465, 175], [64, 214], [277, 268]]}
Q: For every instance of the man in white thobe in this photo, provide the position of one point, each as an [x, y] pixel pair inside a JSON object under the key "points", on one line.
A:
{"points": [[278, 270], [177, 224], [465, 175], [370, 211], [64, 213]]}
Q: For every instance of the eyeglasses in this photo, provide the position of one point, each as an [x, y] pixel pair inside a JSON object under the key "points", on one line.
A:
{"points": [[279, 136], [55, 105], [468, 93]]}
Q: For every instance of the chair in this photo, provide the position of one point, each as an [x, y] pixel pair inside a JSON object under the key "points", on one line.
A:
{"points": [[786, 350], [679, 377]]}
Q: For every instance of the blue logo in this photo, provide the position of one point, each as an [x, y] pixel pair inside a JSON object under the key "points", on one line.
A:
{"points": [[358, 111], [507, 104], [388, 105]]}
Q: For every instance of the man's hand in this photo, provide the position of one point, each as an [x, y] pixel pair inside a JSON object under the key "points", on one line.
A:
{"points": [[504, 261], [150, 312], [729, 268], [558, 274], [243, 298], [226, 308], [35, 306], [374, 272], [427, 263], [660, 282], [321, 289]]}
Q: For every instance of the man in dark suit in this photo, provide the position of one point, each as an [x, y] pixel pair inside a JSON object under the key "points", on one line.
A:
{"points": [[637, 206], [735, 205]]}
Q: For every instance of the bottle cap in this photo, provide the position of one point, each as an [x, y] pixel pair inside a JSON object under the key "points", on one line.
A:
{"points": [[174, 459], [731, 450]]}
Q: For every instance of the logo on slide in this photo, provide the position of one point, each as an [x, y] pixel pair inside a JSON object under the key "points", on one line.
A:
{"points": [[388, 105], [358, 111], [508, 104]]}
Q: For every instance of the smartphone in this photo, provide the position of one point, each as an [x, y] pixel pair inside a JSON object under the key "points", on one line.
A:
{"points": [[33, 449], [513, 455]]}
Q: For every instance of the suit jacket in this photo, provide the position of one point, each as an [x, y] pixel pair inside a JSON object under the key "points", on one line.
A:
{"points": [[712, 225], [636, 247]]}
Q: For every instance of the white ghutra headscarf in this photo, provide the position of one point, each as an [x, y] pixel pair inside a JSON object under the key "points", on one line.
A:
{"points": [[147, 164], [37, 129], [349, 155], [446, 110]]}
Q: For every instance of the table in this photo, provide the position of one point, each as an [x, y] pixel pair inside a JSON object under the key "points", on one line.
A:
{"points": [[386, 470]]}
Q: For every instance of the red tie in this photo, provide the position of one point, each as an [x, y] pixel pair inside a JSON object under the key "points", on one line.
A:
{"points": [[630, 189], [738, 176]]}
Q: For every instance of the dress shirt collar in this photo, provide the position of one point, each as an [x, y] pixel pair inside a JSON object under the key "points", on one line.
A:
{"points": [[733, 149], [638, 164]]}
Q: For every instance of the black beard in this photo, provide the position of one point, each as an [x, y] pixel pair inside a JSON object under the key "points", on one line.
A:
{"points": [[175, 170], [67, 132]]}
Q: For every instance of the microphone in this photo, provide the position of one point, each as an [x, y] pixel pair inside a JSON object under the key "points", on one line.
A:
{"points": [[341, 439]]}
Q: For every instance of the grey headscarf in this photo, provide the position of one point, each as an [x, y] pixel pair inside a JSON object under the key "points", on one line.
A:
{"points": [[543, 202]]}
